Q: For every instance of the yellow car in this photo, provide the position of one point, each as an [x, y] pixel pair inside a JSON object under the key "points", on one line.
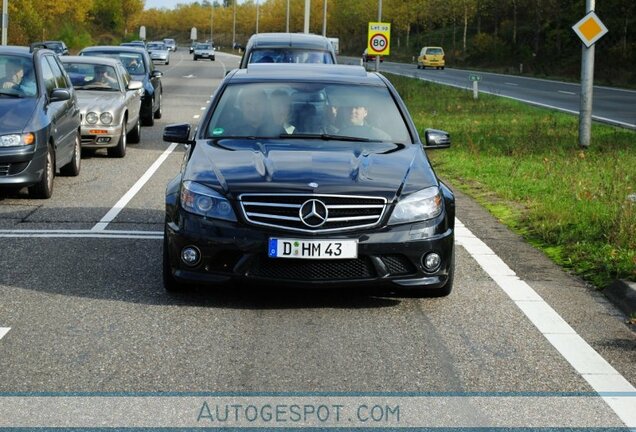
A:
{"points": [[431, 57]]}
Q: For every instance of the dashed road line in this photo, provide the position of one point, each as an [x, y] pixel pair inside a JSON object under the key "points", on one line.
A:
{"points": [[511, 84], [598, 373], [123, 201], [566, 92], [196, 116], [4, 331]]}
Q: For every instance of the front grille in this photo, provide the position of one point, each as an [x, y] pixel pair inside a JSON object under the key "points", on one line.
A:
{"points": [[398, 264], [312, 270], [8, 169], [283, 211]]}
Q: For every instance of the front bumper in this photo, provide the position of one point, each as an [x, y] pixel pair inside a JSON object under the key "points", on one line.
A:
{"points": [[21, 166], [387, 256], [159, 58], [110, 137]]}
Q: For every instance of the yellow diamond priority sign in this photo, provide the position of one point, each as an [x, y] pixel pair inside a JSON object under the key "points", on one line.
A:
{"points": [[590, 29]]}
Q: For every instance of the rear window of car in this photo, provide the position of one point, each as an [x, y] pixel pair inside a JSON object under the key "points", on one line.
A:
{"points": [[308, 108], [133, 62], [271, 55], [434, 51]]}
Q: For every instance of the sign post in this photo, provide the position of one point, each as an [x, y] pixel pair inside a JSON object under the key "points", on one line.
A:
{"points": [[379, 41], [589, 29], [193, 34], [142, 33]]}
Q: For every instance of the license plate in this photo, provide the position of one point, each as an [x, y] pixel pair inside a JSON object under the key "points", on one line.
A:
{"points": [[312, 249]]}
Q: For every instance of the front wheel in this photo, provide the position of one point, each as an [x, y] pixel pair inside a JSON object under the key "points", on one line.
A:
{"points": [[212, 58], [73, 167], [44, 188], [134, 136], [195, 58], [170, 284], [120, 150], [159, 112]]}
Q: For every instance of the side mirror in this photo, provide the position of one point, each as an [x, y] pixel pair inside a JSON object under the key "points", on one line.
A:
{"points": [[436, 139], [59, 95], [157, 74], [178, 133], [135, 85]]}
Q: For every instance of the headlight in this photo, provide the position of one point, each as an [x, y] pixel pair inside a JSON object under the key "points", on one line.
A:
{"points": [[419, 206], [106, 118], [203, 201], [91, 118], [15, 140]]}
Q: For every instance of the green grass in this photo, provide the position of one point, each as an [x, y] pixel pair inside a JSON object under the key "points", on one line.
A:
{"points": [[524, 165]]}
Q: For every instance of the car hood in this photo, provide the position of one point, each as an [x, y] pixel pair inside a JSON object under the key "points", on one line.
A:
{"points": [[234, 167], [98, 101], [15, 114]]}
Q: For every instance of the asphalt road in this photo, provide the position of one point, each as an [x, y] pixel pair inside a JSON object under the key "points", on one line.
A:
{"points": [[610, 105], [82, 307]]}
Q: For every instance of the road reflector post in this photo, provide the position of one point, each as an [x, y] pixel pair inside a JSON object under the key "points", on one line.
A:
{"points": [[475, 79]]}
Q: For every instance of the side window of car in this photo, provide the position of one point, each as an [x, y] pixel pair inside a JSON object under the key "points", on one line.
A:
{"points": [[60, 80], [124, 75], [48, 77]]}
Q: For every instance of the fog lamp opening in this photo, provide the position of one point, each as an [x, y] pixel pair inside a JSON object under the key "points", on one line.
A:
{"points": [[190, 255], [432, 262]]}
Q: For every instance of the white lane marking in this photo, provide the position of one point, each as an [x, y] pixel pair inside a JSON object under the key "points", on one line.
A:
{"points": [[597, 118], [512, 84], [173, 66], [123, 201], [566, 92], [4, 331], [196, 116], [202, 108], [599, 374]]}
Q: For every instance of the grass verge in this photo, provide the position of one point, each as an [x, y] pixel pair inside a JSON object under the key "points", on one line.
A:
{"points": [[524, 165]]}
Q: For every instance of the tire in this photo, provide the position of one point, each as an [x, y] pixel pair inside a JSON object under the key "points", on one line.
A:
{"points": [[120, 150], [195, 58], [72, 168], [44, 188], [134, 136], [212, 58], [149, 120], [158, 113], [419, 67], [442, 67], [170, 284]]}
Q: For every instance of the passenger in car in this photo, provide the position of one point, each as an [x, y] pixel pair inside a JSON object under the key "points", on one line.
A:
{"points": [[281, 110], [14, 72], [356, 124]]}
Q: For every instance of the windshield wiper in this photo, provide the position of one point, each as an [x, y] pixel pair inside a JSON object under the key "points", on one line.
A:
{"points": [[14, 95], [95, 87], [327, 137]]}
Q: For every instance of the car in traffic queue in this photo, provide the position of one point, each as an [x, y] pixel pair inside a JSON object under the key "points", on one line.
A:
{"points": [[158, 52], [308, 175], [288, 48], [431, 57], [109, 100], [39, 121], [135, 44], [366, 57], [138, 64], [171, 44], [203, 50], [59, 47]]}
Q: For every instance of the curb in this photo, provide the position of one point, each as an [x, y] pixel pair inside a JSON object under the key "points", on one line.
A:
{"points": [[623, 294]]}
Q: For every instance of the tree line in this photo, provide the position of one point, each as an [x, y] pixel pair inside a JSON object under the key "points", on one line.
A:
{"points": [[529, 36]]}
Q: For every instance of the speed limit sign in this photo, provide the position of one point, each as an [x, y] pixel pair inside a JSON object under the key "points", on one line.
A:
{"points": [[379, 38]]}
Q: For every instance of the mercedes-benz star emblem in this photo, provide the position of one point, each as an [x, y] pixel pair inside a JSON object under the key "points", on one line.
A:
{"points": [[313, 213]]}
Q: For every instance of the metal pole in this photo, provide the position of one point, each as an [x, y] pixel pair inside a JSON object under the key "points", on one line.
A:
{"points": [[257, 7], [307, 7], [587, 85], [324, 17], [234, 26], [5, 20], [287, 27], [377, 57], [212, 24]]}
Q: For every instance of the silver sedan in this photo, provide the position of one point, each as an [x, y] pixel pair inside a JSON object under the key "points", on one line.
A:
{"points": [[159, 52], [109, 102]]}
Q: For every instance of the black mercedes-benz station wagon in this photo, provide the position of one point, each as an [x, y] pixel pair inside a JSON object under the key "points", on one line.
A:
{"points": [[308, 175]]}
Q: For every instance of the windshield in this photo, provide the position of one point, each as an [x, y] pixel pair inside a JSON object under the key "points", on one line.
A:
{"points": [[17, 77], [92, 76], [203, 46], [156, 46], [287, 55], [133, 62], [308, 110]]}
